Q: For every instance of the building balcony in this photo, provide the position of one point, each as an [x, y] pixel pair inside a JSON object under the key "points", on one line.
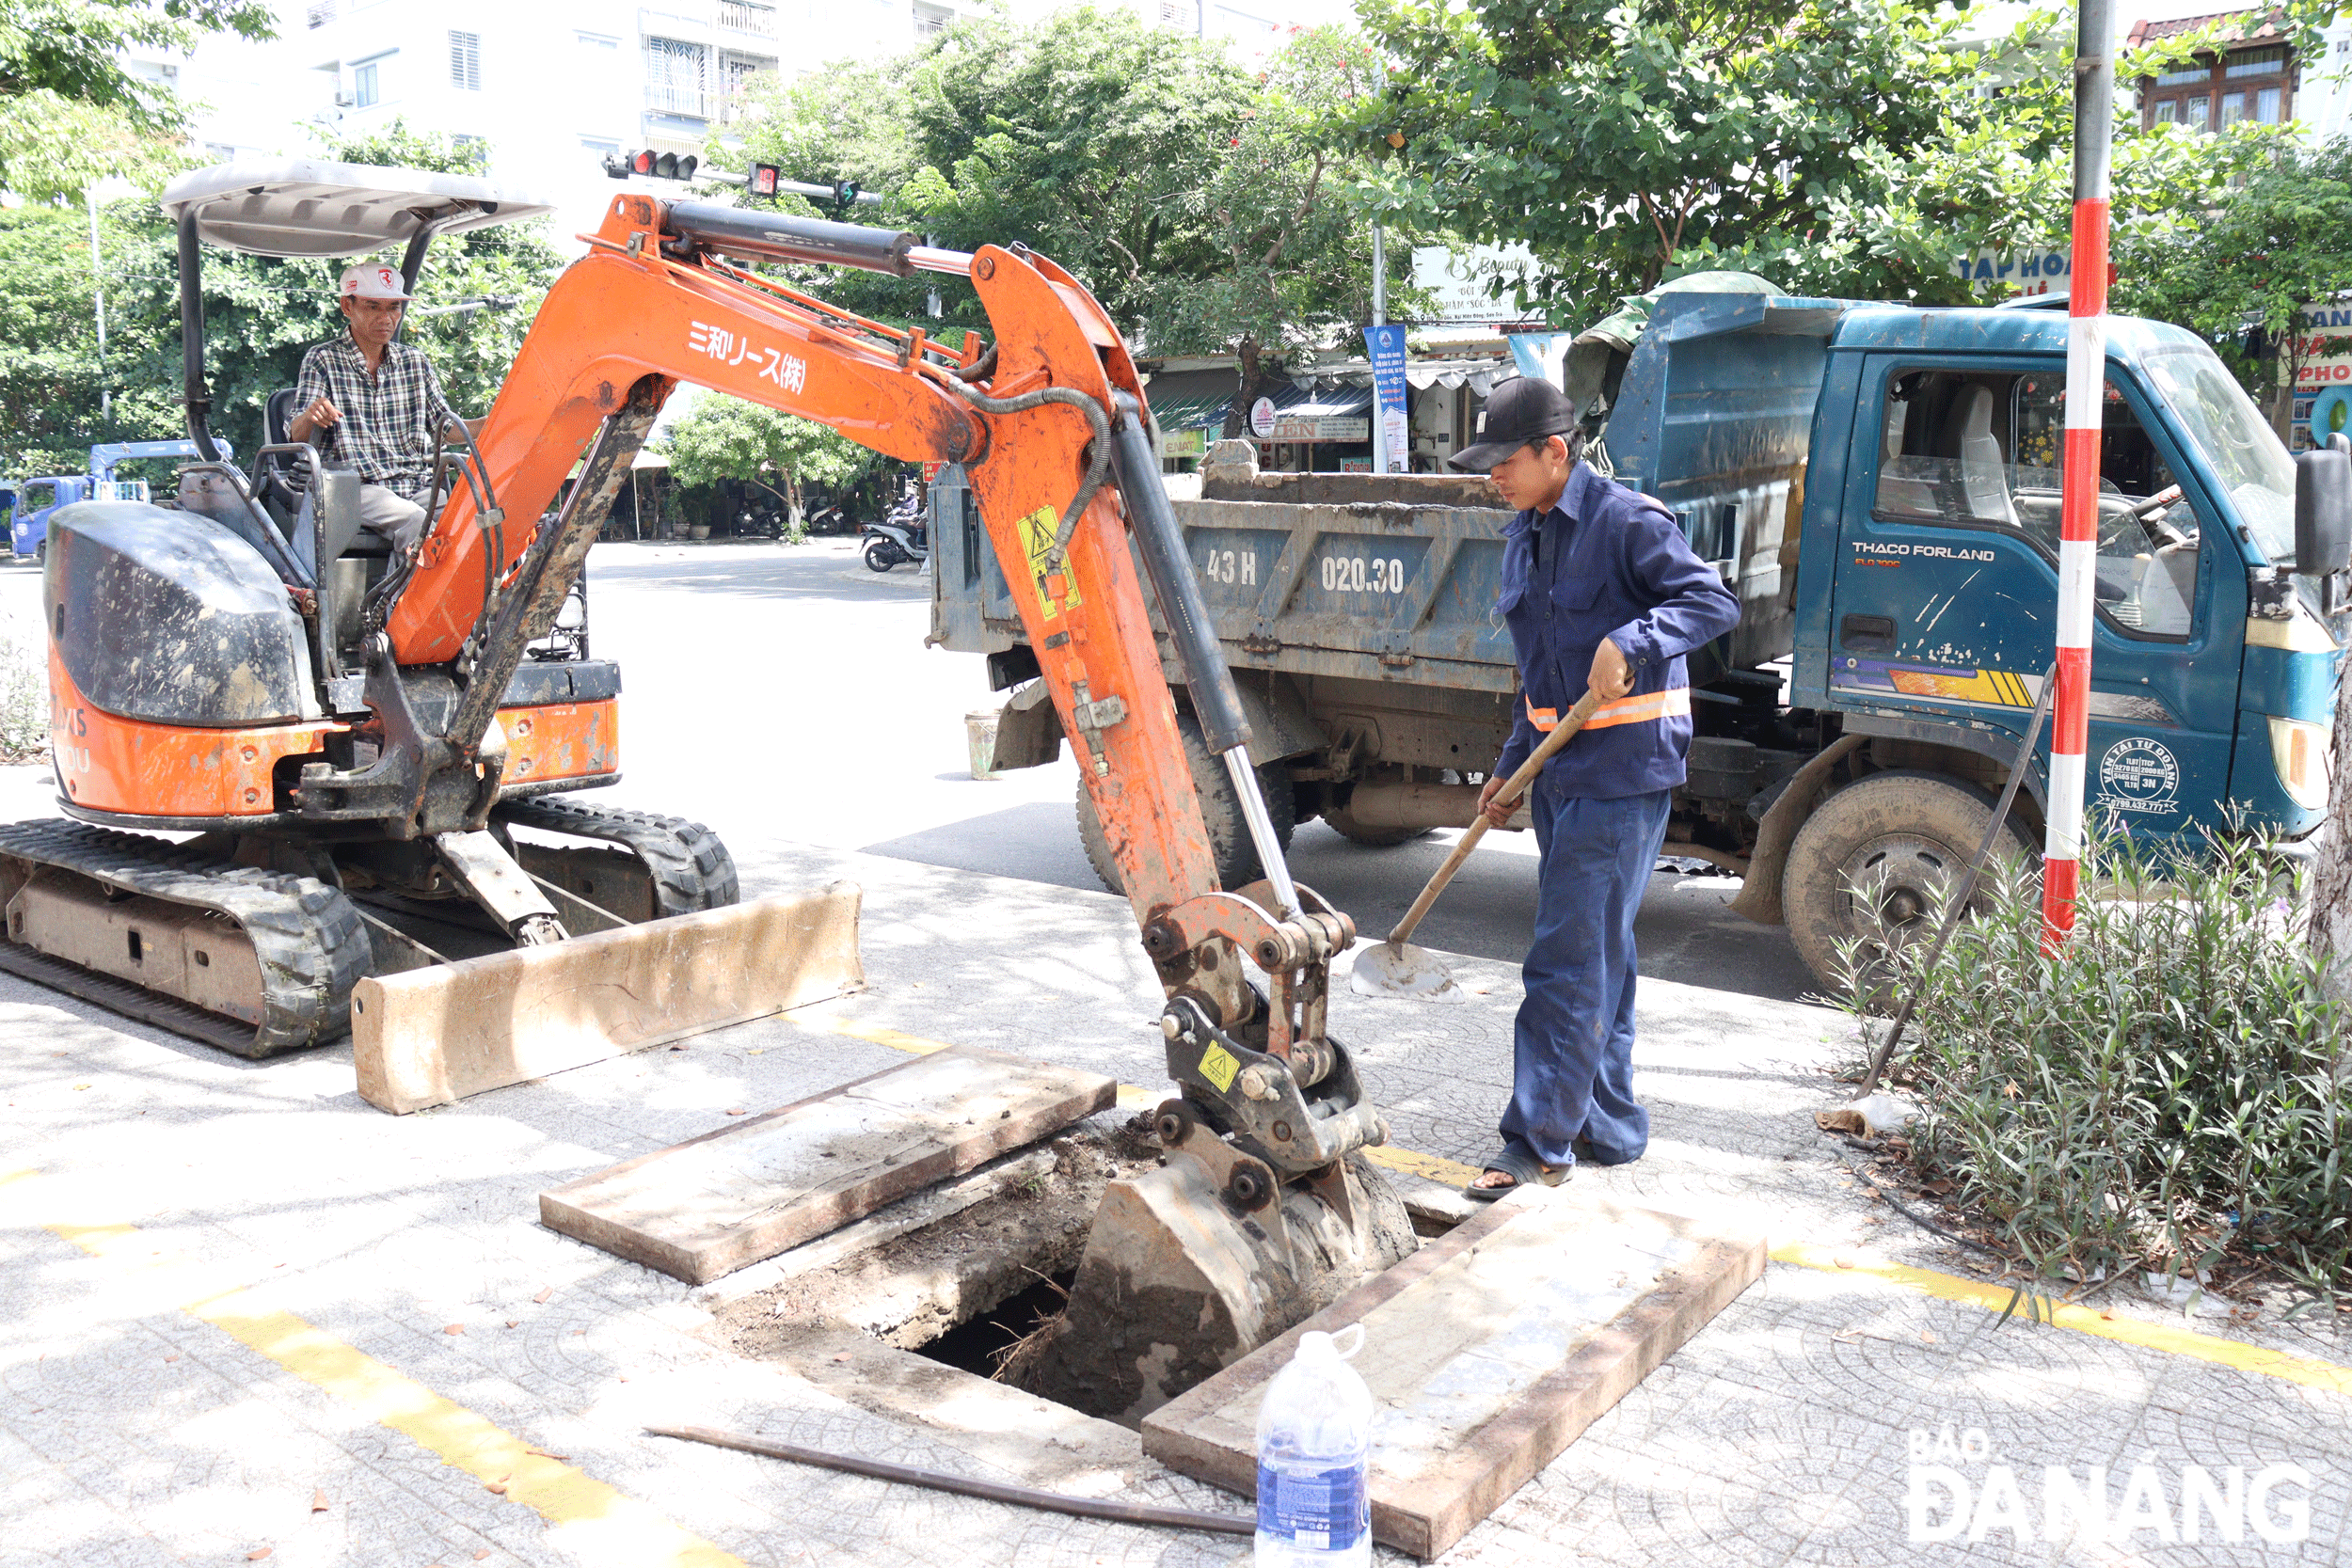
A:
{"points": [[691, 103], [747, 16]]}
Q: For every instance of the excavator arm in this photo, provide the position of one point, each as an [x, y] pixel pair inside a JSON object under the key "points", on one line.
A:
{"points": [[1053, 433]]}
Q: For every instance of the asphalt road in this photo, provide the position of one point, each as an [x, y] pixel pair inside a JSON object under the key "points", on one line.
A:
{"points": [[788, 691]]}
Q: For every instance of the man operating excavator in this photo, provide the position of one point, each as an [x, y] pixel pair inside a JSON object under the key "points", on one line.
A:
{"points": [[375, 404]]}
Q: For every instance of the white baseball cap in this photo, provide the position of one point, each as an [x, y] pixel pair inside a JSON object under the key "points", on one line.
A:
{"points": [[375, 280]]}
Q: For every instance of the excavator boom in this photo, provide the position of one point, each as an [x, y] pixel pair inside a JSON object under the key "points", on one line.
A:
{"points": [[1265, 1211]]}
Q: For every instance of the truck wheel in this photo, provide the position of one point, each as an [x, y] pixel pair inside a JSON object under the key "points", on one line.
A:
{"points": [[1220, 809], [1372, 838], [1903, 836]]}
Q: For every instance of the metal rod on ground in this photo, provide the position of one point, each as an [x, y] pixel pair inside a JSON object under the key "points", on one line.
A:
{"points": [[1885, 1052], [939, 1480], [2078, 511]]}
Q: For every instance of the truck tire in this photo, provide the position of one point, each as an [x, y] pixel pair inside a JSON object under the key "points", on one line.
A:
{"points": [[1220, 809], [1372, 838], [1916, 830]]}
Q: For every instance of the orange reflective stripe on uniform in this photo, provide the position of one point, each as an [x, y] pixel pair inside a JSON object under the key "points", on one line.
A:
{"points": [[1636, 709]]}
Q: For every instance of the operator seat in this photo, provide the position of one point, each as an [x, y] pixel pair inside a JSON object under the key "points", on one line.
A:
{"points": [[1984, 470], [287, 503]]}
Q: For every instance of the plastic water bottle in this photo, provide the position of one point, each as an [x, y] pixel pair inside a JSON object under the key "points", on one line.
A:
{"points": [[1314, 1447]]}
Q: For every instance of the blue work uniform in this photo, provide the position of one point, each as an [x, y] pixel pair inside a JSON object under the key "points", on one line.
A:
{"points": [[1603, 562]]}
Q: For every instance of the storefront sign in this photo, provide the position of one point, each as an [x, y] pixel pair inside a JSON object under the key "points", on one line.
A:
{"points": [[2031, 272], [1318, 427], [1183, 443], [1262, 418]]}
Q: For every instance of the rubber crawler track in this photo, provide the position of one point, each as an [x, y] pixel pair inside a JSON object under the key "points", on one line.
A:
{"points": [[692, 870], [309, 937]]}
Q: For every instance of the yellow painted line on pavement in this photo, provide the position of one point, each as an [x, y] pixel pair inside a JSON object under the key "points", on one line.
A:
{"points": [[592, 1519], [2085, 1319]]}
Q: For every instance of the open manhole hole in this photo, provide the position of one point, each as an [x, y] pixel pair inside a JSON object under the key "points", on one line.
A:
{"points": [[975, 1275], [967, 1290]]}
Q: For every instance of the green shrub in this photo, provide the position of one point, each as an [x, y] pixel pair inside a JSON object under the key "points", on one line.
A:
{"points": [[24, 695], [2165, 1094]]}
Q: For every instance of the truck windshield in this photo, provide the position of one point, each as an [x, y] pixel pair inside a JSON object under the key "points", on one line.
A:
{"points": [[2247, 458]]}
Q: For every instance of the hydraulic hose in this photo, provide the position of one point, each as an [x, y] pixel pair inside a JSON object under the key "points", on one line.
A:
{"points": [[1216, 701], [1098, 449]]}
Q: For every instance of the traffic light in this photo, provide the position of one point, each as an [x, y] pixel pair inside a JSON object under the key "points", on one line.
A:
{"points": [[844, 197], [762, 180], [657, 166]]}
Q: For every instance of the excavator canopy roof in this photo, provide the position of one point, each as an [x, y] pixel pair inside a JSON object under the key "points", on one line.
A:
{"points": [[305, 207]]}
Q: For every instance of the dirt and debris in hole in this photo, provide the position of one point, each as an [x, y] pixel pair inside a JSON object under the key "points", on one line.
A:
{"points": [[911, 1290]]}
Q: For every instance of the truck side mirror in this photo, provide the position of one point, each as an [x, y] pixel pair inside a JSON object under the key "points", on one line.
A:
{"points": [[2323, 509]]}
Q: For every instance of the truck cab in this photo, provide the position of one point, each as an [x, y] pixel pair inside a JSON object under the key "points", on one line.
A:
{"points": [[37, 499], [1918, 590]]}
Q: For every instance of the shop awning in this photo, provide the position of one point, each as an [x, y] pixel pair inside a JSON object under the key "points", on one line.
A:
{"points": [[1479, 375]]}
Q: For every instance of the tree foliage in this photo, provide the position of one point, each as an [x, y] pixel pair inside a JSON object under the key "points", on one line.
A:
{"points": [[724, 437], [2243, 274], [1207, 206], [71, 111], [1837, 147], [262, 314]]}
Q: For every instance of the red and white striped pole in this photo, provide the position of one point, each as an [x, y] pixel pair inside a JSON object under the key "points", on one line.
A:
{"points": [[2078, 515]]}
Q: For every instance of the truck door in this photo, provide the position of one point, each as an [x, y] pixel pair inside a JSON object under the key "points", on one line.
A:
{"points": [[35, 500], [1944, 601]]}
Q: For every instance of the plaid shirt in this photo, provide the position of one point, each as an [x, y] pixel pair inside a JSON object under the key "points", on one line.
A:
{"points": [[393, 421]]}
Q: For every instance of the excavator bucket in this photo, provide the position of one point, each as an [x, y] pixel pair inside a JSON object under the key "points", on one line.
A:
{"points": [[1192, 1266], [442, 1031]]}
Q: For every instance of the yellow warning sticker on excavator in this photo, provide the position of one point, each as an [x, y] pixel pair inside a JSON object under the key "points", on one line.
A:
{"points": [[1219, 1065], [1037, 541]]}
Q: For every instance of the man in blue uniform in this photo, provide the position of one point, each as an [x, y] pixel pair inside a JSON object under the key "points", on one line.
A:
{"points": [[1600, 589]]}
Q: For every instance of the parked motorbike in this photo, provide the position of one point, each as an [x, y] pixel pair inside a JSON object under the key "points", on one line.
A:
{"points": [[899, 537]]}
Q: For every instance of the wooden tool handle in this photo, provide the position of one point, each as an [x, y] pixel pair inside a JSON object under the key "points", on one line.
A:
{"points": [[1569, 724]]}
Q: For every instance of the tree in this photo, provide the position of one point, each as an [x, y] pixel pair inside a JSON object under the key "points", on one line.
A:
{"points": [[1837, 147], [72, 113], [2242, 277], [724, 437], [1208, 207], [262, 314]]}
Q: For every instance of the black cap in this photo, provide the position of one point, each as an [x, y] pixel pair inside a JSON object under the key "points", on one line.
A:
{"points": [[1521, 410]]}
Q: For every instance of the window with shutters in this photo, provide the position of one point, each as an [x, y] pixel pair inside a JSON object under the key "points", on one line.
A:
{"points": [[931, 21], [737, 75], [465, 61], [678, 78]]}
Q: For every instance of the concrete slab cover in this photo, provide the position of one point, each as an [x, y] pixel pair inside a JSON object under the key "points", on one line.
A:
{"points": [[701, 1209], [427, 1037], [1487, 1353]]}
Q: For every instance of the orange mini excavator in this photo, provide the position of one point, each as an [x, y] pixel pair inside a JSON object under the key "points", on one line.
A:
{"points": [[340, 723]]}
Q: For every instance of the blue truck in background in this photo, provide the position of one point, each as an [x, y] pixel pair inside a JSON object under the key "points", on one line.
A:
{"points": [[30, 502], [1879, 485]]}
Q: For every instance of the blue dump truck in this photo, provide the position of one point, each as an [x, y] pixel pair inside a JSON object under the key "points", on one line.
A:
{"points": [[1879, 485], [30, 502]]}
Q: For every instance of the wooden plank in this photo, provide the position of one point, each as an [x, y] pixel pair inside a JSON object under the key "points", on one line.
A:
{"points": [[426, 1036], [703, 1208], [1487, 1353]]}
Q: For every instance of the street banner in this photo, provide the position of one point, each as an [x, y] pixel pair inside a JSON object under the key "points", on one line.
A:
{"points": [[1385, 347]]}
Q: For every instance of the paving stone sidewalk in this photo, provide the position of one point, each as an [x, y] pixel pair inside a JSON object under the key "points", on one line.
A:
{"points": [[134, 1429]]}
